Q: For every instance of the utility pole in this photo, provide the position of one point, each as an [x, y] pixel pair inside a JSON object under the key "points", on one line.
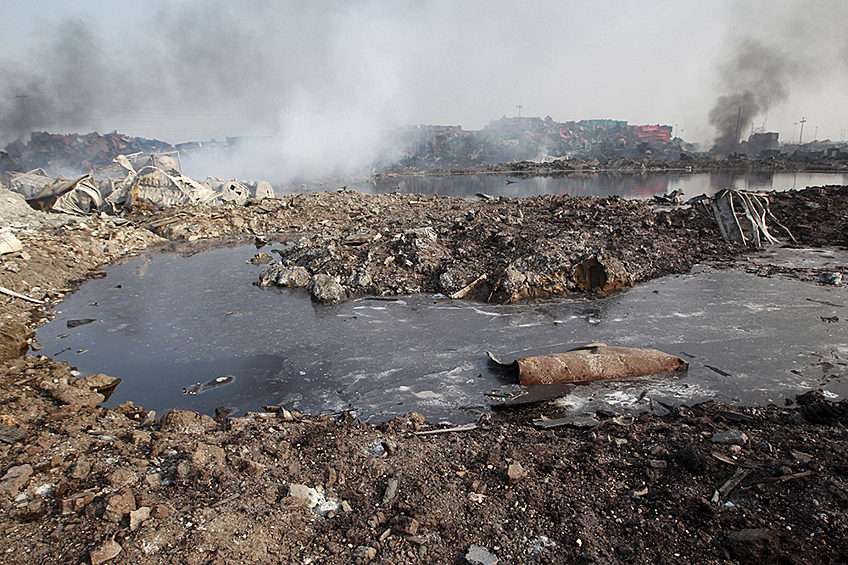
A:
{"points": [[738, 119], [801, 136], [519, 110], [23, 98]]}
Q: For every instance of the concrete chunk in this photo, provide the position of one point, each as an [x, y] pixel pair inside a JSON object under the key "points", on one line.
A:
{"points": [[14, 479]]}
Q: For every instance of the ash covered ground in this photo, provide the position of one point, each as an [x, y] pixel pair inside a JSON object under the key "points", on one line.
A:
{"points": [[704, 484]]}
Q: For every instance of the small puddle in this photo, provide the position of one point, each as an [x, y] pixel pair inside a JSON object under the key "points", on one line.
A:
{"points": [[164, 323]]}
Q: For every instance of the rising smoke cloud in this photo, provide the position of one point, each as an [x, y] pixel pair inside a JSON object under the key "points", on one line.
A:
{"points": [[313, 86], [315, 83], [64, 93], [757, 78]]}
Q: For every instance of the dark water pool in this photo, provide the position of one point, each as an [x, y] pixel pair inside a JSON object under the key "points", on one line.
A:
{"points": [[164, 323]]}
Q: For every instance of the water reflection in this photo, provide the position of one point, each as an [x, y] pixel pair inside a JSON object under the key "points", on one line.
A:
{"points": [[599, 184], [192, 320]]}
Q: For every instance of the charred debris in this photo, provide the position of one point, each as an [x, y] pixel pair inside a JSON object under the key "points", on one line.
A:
{"points": [[81, 174], [526, 144], [528, 139]]}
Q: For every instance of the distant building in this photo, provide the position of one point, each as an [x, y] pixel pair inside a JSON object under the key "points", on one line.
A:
{"points": [[759, 142]]}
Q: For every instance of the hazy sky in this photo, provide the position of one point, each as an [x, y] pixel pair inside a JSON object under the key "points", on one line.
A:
{"points": [[319, 77]]}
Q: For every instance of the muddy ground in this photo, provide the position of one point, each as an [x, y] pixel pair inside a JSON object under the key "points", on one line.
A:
{"points": [[703, 484]]}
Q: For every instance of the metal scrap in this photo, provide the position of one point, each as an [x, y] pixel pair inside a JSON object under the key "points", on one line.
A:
{"points": [[742, 215], [592, 362], [535, 395], [14, 294], [75, 196]]}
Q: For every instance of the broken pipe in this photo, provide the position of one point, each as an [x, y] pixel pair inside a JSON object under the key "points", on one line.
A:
{"points": [[592, 362]]}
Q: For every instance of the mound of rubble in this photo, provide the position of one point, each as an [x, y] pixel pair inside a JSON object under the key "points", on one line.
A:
{"points": [[707, 484], [497, 250], [68, 154], [80, 483]]}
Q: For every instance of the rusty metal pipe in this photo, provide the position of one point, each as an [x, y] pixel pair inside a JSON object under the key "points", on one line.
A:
{"points": [[592, 362]]}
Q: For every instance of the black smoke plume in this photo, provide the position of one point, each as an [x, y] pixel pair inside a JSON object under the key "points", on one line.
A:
{"points": [[757, 78]]}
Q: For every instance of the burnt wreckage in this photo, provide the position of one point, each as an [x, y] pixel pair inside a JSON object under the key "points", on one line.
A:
{"points": [[528, 138]]}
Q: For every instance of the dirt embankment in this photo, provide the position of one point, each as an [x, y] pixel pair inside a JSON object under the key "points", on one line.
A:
{"points": [[690, 163], [507, 249], [706, 484], [703, 485], [498, 249]]}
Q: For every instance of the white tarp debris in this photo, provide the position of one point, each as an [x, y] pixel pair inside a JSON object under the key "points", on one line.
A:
{"points": [[238, 191], [8, 242], [31, 183], [164, 185], [75, 196], [742, 215]]}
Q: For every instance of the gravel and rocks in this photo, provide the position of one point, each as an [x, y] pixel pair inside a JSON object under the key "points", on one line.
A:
{"points": [[710, 483], [112, 485]]}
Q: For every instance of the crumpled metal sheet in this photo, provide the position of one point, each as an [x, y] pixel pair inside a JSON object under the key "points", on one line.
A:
{"points": [[29, 184], [238, 191], [742, 216], [159, 188], [592, 362], [163, 186], [76, 196]]}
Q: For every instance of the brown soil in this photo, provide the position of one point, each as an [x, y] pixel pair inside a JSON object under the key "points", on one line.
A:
{"points": [[80, 483]]}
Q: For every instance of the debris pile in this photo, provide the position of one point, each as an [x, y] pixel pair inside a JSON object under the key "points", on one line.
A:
{"points": [[156, 184], [711, 483], [528, 139], [479, 250], [74, 153]]}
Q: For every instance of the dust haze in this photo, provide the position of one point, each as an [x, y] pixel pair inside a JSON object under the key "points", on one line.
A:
{"points": [[317, 85]]}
